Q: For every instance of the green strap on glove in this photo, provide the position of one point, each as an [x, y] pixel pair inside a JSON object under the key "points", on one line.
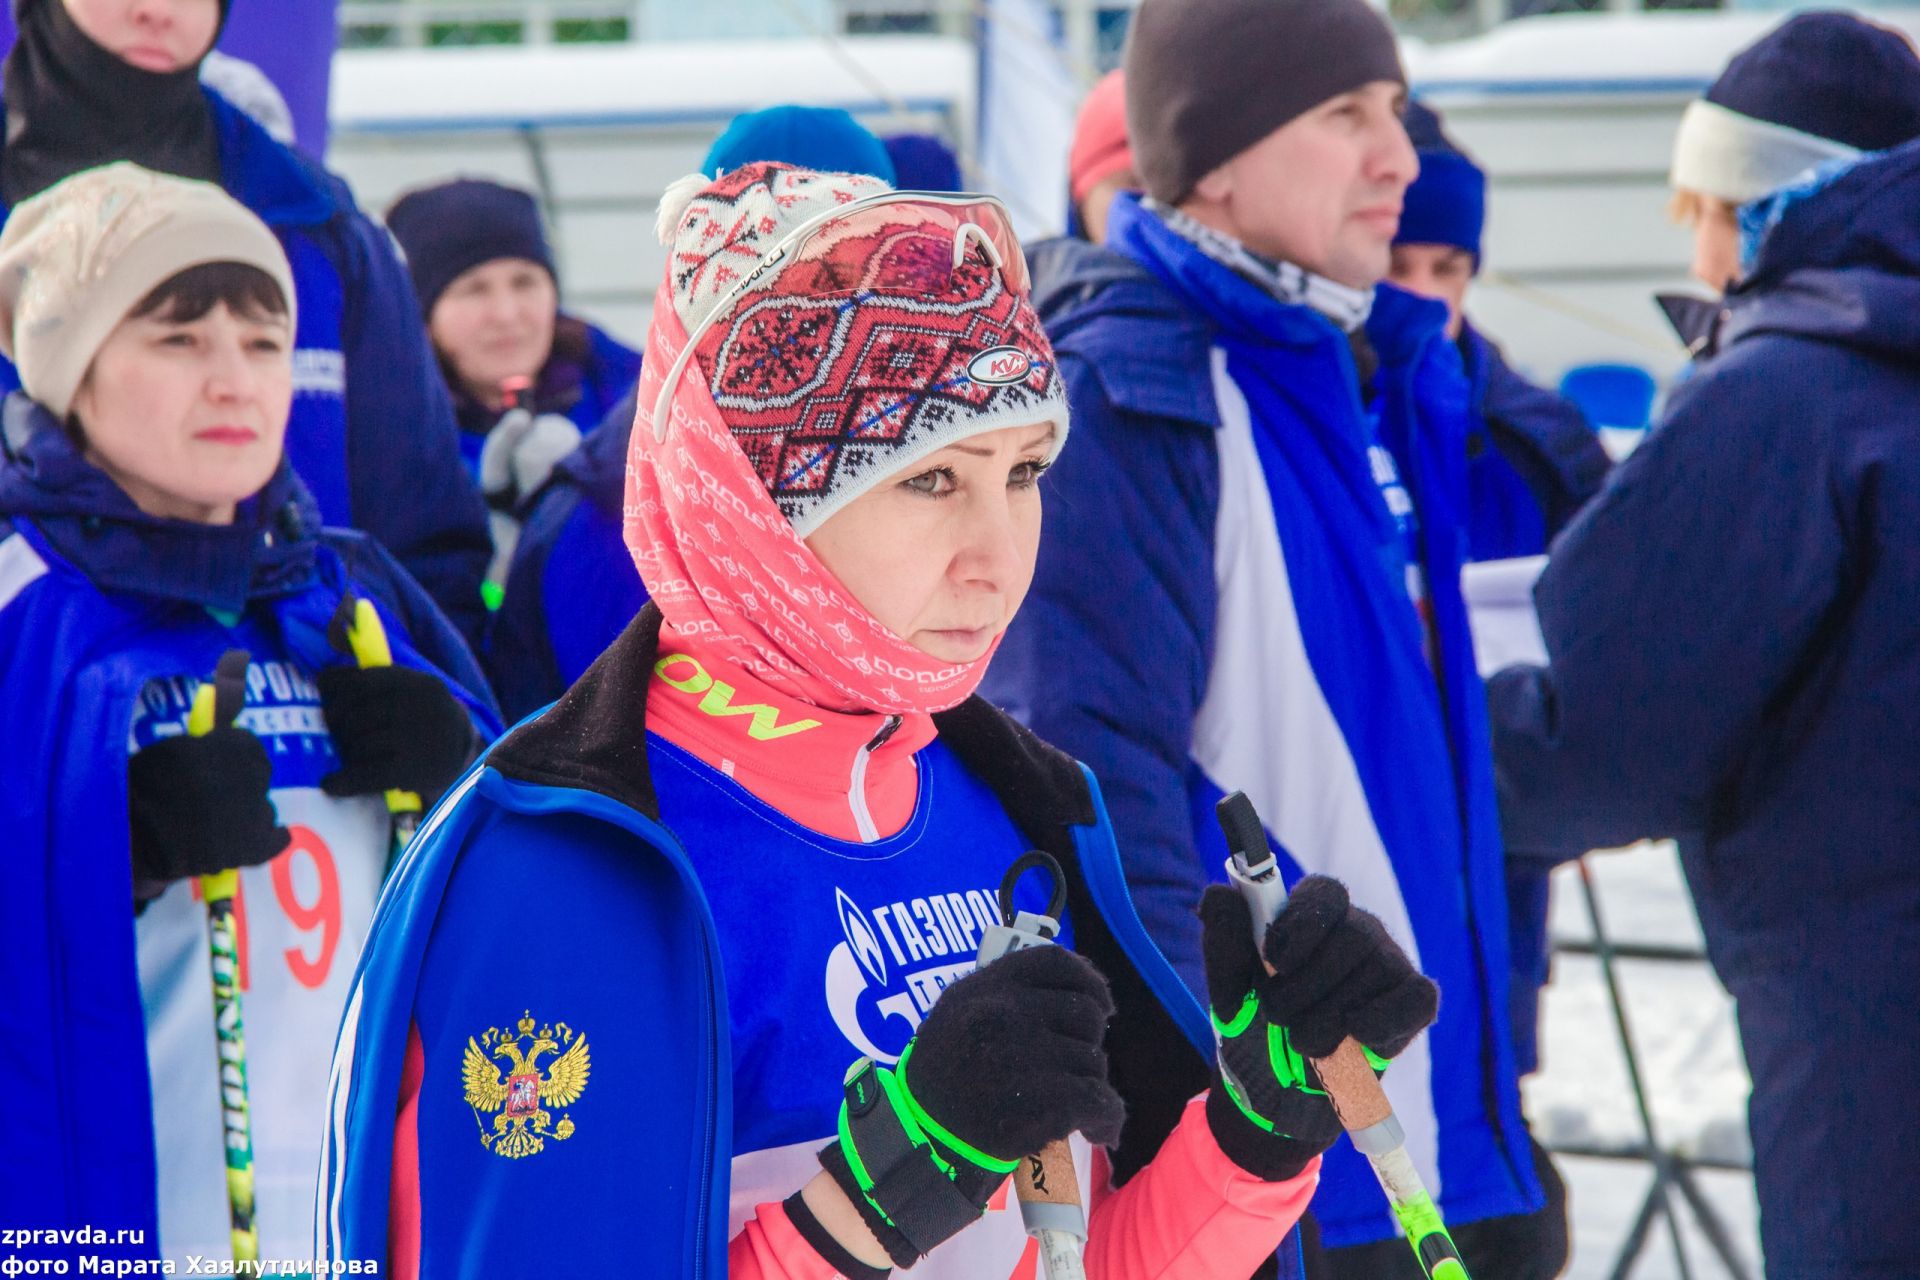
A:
{"points": [[1255, 1049]]}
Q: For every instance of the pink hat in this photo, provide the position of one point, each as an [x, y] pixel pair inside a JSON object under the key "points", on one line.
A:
{"points": [[1100, 147]]}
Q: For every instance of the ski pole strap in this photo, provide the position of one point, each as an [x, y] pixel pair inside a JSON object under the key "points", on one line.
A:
{"points": [[915, 1183]]}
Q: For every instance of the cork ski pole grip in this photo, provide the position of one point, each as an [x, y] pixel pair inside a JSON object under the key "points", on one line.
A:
{"points": [[1352, 1087], [1048, 1177]]}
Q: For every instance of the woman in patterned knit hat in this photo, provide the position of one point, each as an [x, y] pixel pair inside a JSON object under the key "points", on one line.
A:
{"points": [[615, 992]]}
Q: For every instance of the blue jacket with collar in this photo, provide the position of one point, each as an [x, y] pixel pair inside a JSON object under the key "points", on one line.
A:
{"points": [[1735, 660], [548, 874], [1220, 604], [96, 599], [1532, 459], [372, 434]]}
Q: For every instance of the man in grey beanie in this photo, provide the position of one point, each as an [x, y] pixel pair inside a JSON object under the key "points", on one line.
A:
{"points": [[1249, 577]]}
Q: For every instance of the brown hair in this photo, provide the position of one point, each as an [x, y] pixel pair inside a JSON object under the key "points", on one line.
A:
{"points": [[186, 296]]}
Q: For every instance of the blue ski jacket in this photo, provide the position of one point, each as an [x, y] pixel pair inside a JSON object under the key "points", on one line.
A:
{"points": [[372, 434], [1532, 462], [572, 588], [1735, 660], [1734, 652], [96, 599], [1532, 459], [1220, 604], [549, 869]]}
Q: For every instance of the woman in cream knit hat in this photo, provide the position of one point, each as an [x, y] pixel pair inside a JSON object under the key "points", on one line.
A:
{"points": [[149, 524]]}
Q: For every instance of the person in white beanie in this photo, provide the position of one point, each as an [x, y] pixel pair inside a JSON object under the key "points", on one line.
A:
{"points": [[149, 524]]}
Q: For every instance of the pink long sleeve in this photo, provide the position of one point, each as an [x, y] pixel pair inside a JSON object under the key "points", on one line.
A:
{"points": [[1193, 1213], [768, 1247]]}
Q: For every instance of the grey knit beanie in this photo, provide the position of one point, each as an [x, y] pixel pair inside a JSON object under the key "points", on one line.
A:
{"points": [[1206, 79]]}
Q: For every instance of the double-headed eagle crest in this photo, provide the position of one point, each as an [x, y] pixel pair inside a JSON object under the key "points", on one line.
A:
{"points": [[521, 1097]]}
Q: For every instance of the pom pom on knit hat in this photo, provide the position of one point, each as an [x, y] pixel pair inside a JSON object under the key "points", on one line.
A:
{"points": [[1817, 88], [1447, 203], [846, 363], [77, 258]]}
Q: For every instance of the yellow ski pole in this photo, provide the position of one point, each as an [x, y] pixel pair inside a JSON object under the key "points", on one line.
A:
{"points": [[357, 630], [218, 703]]}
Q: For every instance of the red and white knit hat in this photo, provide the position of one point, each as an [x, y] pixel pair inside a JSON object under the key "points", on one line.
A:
{"points": [[862, 351]]}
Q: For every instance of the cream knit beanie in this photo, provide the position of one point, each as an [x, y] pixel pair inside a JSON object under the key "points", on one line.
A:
{"points": [[75, 259]]}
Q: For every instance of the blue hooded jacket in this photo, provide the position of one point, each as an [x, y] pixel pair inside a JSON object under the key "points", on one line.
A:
{"points": [[1221, 603], [1532, 458], [547, 880], [372, 434], [573, 587], [96, 599], [1735, 660]]}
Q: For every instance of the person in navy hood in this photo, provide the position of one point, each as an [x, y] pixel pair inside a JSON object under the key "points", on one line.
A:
{"points": [[1253, 554], [149, 525], [372, 437], [1734, 660], [528, 379]]}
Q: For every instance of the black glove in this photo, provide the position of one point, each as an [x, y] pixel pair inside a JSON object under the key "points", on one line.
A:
{"points": [[1336, 974], [199, 805], [1010, 1059], [396, 729]]}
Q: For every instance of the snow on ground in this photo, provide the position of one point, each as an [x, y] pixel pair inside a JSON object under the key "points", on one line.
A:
{"points": [[1682, 1025]]}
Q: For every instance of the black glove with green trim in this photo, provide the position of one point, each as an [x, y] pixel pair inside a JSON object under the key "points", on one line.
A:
{"points": [[1010, 1059], [1336, 973]]}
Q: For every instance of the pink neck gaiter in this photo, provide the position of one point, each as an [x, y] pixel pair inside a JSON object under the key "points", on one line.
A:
{"points": [[731, 575]]}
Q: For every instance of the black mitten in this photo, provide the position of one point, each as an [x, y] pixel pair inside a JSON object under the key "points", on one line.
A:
{"points": [[1010, 1059], [396, 729], [199, 805], [1336, 974]]}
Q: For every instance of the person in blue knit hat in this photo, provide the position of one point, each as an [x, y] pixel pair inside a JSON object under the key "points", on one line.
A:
{"points": [[823, 138], [923, 162], [1532, 459], [527, 378], [1734, 651]]}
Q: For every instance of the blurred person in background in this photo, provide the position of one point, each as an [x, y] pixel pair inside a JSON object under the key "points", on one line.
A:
{"points": [[1253, 556], [1100, 164], [1734, 652], [149, 522], [571, 589], [372, 436], [527, 379], [923, 162]]}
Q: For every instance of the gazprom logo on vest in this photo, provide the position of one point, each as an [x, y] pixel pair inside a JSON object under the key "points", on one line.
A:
{"points": [[1000, 366], [897, 960]]}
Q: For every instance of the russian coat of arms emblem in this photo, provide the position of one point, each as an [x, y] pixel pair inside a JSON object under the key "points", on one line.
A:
{"points": [[518, 1093]]}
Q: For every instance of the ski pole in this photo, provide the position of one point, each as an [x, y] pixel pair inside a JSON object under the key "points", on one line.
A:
{"points": [[1346, 1074], [1046, 1184], [356, 629], [218, 703]]}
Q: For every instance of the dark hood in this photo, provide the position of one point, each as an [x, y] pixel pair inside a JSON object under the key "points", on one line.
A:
{"points": [[268, 549], [1842, 265]]}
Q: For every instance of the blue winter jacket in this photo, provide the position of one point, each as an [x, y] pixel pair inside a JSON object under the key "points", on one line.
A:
{"points": [[372, 434], [96, 599], [1735, 652], [1532, 461], [572, 896], [1220, 603], [1532, 458], [572, 587]]}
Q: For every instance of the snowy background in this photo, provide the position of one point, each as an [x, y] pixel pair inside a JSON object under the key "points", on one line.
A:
{"points": [[1683, 1028]]}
